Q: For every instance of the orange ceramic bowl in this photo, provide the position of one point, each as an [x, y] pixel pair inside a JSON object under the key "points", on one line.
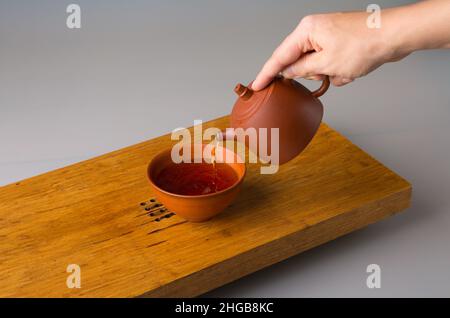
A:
{"points": [[195, 208]]}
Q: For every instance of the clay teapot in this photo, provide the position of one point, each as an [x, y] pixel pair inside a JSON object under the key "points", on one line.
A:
{"points": [[284, 104]]}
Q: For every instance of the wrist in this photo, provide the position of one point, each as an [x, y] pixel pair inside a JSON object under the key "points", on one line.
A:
{"points": [[397, 35], [420, 26]]}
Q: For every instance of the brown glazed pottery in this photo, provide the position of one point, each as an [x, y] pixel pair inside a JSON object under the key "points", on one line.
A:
{"points": [[195, 208], [284, 104]]}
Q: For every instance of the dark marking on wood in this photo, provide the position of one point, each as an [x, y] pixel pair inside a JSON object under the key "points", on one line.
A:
{"points": [[169, 226], [147, 222], [101, 241], [154, 244], [126, 233], [166, 216]]}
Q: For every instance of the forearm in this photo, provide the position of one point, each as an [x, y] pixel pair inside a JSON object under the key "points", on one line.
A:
{"points": [[420, 26]]}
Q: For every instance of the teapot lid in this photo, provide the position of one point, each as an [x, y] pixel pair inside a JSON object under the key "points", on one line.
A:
{"points": [[250, 100]]}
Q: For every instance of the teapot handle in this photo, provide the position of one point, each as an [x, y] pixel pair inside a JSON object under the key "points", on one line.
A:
{"points": [[323, 88]]}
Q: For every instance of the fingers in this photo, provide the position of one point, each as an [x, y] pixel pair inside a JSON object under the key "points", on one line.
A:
{"points": [[287, 53], [311, 66], [307, 66], [340, 81], [315, 77]]}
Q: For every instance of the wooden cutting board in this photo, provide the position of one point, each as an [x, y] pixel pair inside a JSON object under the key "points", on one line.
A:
{"points": [[100, 215]]}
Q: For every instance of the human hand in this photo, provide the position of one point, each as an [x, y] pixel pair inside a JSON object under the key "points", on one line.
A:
{"points": [[340, 45]]}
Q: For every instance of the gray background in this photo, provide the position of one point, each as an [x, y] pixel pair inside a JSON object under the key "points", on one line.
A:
{"points": [[138, 69]]}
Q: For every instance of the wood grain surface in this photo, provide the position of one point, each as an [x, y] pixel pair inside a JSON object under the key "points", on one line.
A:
{"points": [[99, 214]]}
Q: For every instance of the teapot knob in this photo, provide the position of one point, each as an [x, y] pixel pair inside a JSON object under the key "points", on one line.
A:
{"points": [[243, 91]]}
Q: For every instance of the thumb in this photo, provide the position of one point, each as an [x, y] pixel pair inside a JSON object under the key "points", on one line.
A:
{"points": [[308, 65]]}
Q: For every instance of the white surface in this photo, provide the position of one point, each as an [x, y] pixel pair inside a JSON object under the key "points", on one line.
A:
{"points": [[139, 69]]}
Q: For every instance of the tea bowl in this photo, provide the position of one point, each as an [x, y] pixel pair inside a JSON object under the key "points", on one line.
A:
{"points": [[196, 208]]}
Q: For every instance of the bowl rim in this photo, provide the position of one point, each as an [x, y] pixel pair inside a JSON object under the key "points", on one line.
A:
{"points": [[163, 152]]}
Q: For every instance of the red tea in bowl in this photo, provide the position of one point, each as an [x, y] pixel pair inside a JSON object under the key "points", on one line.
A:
{"points": [[196, 178]]}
